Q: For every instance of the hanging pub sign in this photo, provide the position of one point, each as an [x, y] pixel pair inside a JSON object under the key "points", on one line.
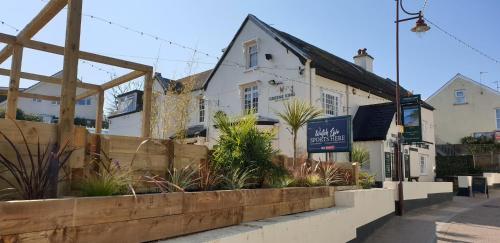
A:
{"points": [[332, 134], [411, 115]]}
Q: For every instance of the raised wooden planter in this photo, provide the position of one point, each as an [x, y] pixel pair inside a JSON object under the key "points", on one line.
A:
{"points": [[152, 216]]}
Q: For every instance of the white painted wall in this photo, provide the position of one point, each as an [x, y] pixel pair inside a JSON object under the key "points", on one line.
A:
{"points": [[492, 178], [46, 108], [126, 125], [419, 190]]}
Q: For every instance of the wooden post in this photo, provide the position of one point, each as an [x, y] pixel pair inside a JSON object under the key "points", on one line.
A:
{"points": [[15, 76], [146, 104], [355, 173], [99, 115], [70, 71]]}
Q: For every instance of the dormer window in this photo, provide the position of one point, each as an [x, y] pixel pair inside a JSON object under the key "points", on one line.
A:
{"points": [[460, 97], [251, 54]]}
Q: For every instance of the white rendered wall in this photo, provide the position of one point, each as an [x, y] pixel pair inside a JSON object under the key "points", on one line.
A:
{"points": [[127, 125], [419, 190]]}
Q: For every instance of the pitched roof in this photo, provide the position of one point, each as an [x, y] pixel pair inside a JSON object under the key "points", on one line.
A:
{"points": [[463, 77], [199, 80], [327, 65], [372, 122]]}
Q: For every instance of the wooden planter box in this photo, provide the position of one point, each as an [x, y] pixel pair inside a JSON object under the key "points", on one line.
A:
{"points": [[151, 216]]}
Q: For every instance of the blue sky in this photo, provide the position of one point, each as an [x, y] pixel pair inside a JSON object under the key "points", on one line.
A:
{"points": [[340, 27]]}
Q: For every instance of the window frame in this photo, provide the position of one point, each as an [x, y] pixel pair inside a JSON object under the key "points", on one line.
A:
{"points": [[497, 118], [247, 45], [337, 100], [201, 109], [426, 163], [456, 97], [252, 90]]}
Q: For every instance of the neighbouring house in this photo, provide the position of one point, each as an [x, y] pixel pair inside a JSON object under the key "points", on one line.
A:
{"points": [[127, 119], [262, 67], [47, 110], [465, 107]]}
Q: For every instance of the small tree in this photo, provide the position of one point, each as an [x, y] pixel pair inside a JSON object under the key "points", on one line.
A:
{"points": [[296, 114]]}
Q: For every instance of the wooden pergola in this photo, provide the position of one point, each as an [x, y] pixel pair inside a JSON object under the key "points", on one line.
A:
{"points": [[72, 53]]}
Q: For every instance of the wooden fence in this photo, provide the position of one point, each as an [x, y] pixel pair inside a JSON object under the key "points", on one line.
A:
{"points": [[152, 157], [150, 217]]}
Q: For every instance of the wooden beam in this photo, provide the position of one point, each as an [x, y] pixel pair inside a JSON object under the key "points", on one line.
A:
{"points": [[15, 77], [70, 71], [122, 79], [32, 96], [99, 114], [49, 79], [48, 12], [59, 50], [113, 83], [146, 104], [7, 39]]}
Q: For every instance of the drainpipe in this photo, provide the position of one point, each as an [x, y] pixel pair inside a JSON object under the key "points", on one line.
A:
{"points": [[308, 66]]}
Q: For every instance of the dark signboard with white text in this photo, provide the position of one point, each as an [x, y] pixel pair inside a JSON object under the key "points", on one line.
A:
{"points": [[332, 134], [412, 119]]}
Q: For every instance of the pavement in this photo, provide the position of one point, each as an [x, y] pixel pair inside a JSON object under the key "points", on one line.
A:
{"points": [[463, 219]]}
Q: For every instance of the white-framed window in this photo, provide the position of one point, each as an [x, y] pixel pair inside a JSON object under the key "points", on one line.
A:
{"points": [[251, 53], [201, 107], [251, 99], [423, 159], [37, 100], [460, 97], [330, 102], [497, 113]]}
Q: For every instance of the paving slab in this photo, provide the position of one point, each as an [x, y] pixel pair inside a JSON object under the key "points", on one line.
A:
{"points": [[462, 220]]}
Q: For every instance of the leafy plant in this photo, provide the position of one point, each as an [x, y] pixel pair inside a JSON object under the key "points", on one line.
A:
{"points": [[305, 175], [110, 180], [242, 145], [366, 180], [330, 174], [280, 181], [36, 175], [238, 179], [360, 155], [177, 180], [210, 177], [296, 114]]}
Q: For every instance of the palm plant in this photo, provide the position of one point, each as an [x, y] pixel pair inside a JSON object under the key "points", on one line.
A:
{"points": [[360, 155], [34, 176], [242, 145], [330, 174], [296, 114]]}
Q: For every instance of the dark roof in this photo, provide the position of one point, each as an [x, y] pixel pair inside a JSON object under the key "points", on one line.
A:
{"points": [[263, 120], [199, 80], [372, 122], [138, 104], [194, 131], [328, 65]]}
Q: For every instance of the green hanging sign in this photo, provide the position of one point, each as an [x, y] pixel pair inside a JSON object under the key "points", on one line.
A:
{"points": [[411, 116]]}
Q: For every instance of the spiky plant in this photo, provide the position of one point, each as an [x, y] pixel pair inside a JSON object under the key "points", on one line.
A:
{"points": [[360, 155], [177, 180], [238, 179], [110, 179], [34, 176], [296, 114], [330, 174]]}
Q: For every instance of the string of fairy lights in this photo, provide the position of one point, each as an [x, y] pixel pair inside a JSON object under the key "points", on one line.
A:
{"points": [[227, 62]]}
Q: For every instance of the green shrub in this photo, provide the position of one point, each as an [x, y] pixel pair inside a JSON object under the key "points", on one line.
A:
{"points": [[110, 180], [360, 155], [242, 145], [366, 180], [20, 115], [177, 180]]}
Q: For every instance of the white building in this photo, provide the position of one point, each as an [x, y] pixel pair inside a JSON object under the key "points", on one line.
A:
{"points": [[48, 110], [262, 67]]}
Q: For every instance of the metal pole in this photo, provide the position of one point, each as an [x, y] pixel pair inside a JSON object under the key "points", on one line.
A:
{"points": [[397, 150]]}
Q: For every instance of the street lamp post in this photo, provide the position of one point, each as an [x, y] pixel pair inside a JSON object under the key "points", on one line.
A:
{"points": [[420, 27]]}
